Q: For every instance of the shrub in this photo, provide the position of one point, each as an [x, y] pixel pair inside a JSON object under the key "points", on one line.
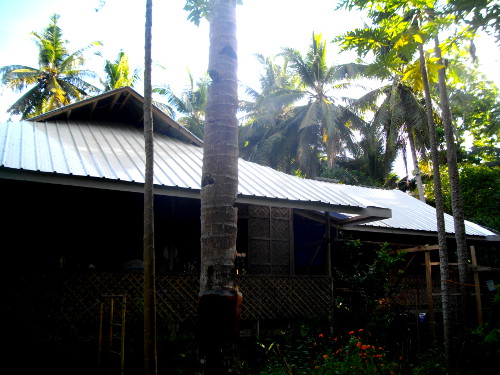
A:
{"points": [[355, 352]]}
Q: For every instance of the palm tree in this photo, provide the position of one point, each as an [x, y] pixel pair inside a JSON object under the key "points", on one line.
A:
{"points": [[191, 104], [59, 79], [455, 189], [401, 115], [118, 73], [443, 247], [219, 300], [266, 137], [402, 21], [402, 120], [325, 124]]}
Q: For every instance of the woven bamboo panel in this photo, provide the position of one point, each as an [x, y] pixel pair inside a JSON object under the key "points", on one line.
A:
{"points": [[260, 227], [269, 240], [261, 252], [280, 254], [259, 211], [281, 229], [281, 213]]}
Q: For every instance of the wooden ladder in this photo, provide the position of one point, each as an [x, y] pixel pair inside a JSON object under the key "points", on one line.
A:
{"points": [[112, 333]]}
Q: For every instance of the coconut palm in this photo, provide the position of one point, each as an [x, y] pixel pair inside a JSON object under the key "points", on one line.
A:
{"points": [[190, 104], [118, 73], [59, 79], [399, 20], [266, 137], [325, 123], [400, 114], [219, 300], [455, 188], [401, 119]]}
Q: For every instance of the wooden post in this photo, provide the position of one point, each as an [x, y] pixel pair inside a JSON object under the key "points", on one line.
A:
{"points": [[328, 240], [328, 244], [430, 303], [477, 286]]}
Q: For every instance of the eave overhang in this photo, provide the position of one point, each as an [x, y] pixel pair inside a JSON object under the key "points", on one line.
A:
{"points": [[365, 213]]}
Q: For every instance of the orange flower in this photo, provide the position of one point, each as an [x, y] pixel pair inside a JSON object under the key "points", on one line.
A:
{"points": [[316, 368], [351, 332], [335, 339], [400, 357], [363, 347], [325, 356], [358, 344], [368, 346], [377, 356], [320, 335], [380, 348], [360, 330]]}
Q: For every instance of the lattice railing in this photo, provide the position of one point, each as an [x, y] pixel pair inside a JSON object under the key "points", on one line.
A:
{"points": [[56, 302], [413, 293], [284, 297], [76, 297]]}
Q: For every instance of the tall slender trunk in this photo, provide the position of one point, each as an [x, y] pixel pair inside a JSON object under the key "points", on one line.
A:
{"points": [[219, 301], [416, 168], [443, 249], [455, 190], [391, 138], [150, 365]]}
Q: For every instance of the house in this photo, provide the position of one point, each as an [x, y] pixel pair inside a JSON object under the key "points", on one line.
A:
{"points": [[72, 182]]}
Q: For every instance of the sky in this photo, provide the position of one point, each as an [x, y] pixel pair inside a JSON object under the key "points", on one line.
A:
{"points": [[263, 26]]}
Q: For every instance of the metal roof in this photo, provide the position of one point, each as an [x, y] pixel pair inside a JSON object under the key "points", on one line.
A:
{"points": [[123, 105], [111, 155], [408, 213], [98, 142]]}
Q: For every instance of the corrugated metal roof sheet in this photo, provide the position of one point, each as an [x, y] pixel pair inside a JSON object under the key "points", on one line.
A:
{"points": [[116, 152], [408, 213], [121, 105]]}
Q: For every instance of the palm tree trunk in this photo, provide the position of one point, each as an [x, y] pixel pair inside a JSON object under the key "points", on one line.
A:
{"points": [[219, 301], [456, 192], [390, 140], [150, 365], [416, 168], [443, 250]]}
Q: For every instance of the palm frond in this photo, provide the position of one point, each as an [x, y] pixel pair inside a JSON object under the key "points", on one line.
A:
{"points": [[26, 105], [19, 77], [348, 71], [367, 102]]}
